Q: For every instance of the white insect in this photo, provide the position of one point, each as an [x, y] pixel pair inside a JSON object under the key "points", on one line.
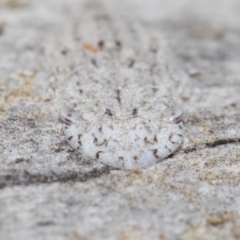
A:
{"points": [[119, 106]]}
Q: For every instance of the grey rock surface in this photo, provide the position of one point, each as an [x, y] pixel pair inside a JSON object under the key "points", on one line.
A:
{"points": [[47, 191]]}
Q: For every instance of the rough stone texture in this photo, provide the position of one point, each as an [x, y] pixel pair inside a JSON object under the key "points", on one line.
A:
{"points": [[47, 192]]}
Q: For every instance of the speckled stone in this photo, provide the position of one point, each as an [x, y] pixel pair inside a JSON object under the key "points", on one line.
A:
{"points": [[47, 191]]}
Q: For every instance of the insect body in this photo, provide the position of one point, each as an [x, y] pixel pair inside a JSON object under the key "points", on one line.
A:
{"points": [[119, 106]]}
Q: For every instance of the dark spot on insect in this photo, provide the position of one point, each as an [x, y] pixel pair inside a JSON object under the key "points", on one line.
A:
{"points": [[118, 44], [100, 129], [180, 126], [102, 16], [78, 83], [45, 223], [131, 63], [118, 96], [64, 52], [19, 160], [98, 153], [108, 112], [120, 158], [58, 150], [154, 90], [105, 142], [70, 150], [97, 103], [168, 148], [79, 139], [94, 63], [155, 139], [135, 158], [66, 121], [101, 44], [95, 140], [80, 91], [155, 153], [180, 135], [164, 103], [1, 28], [70, 138], [170, 139], [135, 111], [147, 141], [153, 50]]}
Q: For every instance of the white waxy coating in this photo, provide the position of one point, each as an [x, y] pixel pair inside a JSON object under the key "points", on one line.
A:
{"points": [[119, 107]]}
